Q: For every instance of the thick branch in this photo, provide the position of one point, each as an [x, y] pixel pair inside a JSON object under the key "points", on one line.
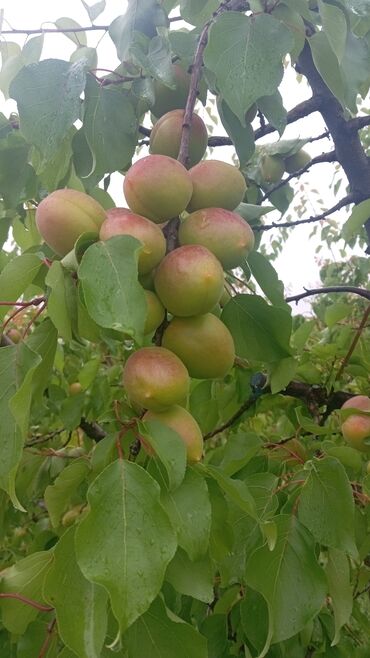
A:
{"points": [[359, 122], [319, 159], [329, 289], [350, 198]]}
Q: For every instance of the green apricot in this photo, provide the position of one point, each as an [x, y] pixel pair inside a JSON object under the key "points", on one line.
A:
{"points": [[165, 137], [223, 232], [182, 422], [272, 168], [154, 378], [216, 184], [203, 344], [121, 221], [64, 215], [167, 99], [157, 187], [189, 281], [296, 161]]}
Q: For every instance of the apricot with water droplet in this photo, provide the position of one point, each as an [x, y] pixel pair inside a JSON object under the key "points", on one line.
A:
{"points": [[182, 422], [165, 137], [216, 184]]}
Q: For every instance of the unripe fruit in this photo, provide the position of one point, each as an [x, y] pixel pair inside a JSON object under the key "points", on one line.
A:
{"points": [[356, 428], [155, 378], [121, 221], [189, 281], [64, 215], [157, 187], [165, 137], [203, 344], [216, 184], [75, 388], [14, 335], [182, 422], [223, 232], [272, 168], [295, 162], [167, 99], [155, 314]]}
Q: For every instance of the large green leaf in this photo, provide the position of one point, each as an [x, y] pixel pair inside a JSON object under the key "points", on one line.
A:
{"points": [[236, 39], [43, 341], [340, 589], [197, 12], [26, 578], [14, 169], [141, 16], [355, 69], [62, 299], [289, 578], [266, 277], [48, 98], [327, 65], [16, 277], [260, 332], [160, 635], [326, 505], [192, 578], [113, 296], [126, 541], [169, 448], [334, 24], [82, 622]]}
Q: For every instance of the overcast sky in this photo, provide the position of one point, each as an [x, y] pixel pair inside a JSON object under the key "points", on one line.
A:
{"points": [[298, 266]]}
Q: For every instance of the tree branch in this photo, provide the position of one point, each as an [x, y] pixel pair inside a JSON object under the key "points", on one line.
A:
{"points": [[350, 198], [319, 159], [359, 122], [52, 30], [319, 291], [354, 342]]}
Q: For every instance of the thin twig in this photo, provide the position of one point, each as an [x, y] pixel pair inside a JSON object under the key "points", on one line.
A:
{"points": [[350, 198], [52, 30], [26, 600], [49, 633], [244, 407], [329, 289], [354, 342]]}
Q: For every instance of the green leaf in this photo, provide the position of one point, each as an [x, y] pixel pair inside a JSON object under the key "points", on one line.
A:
{"points": [[94, 10], [197, 12], [273, 109], [289, 578], [326, 505], [14, 169], [235, 39], [17, 367], [334, 24], [82, 622], [215, 630], [141, 16], [48, 99], [58, 496], [110, 126], [359, 215], [156, 634], [281, 373], [113, 296], [43, 341], [255, 618], [241, 135], [191, 578], [250, 212], [327, 64], [240, 448], [236, 490], [125, 542], [169, 448], [189, 510], [290, 16], [62, 299], [26, 577], [79, 38], [336, 312], [32, 49], [355, 69], [260, 332], [16, 277], [340, 589], [267, 278]]}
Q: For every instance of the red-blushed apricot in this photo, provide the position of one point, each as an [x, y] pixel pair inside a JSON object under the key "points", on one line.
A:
{"points": [[155, 314], [296, 161], [182, 422], [165, 137], [155, 378], [272, 168], [167, 99], [189, 281], [356, 428], [223, 232], [157, 187], [64, 215], [75, 388], [203, 344], [121, 221], [216, 184]]}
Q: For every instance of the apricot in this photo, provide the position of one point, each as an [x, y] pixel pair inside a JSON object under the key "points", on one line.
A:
{"points": [[296, 161], [64, 215], [272, 168], [223, 232], [157, 187], [121, 221], [155, 378], [203, 344], [167, 99], [216, 184], [356, 428], [75, 388], [155, 314], [165, 137], [189, 281], [182, 422]]}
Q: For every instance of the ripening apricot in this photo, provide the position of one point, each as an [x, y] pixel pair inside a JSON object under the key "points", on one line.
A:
{"points": [[155, 312], [223, 232], [189, 281], [272, 168], [75, 388], [64, 215], [121, 221], [356, 428], [216, 184], [166, 134], [155, 378], [167, 99], [157, 187], [203, 344], [296, 161], [182, 422]]}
